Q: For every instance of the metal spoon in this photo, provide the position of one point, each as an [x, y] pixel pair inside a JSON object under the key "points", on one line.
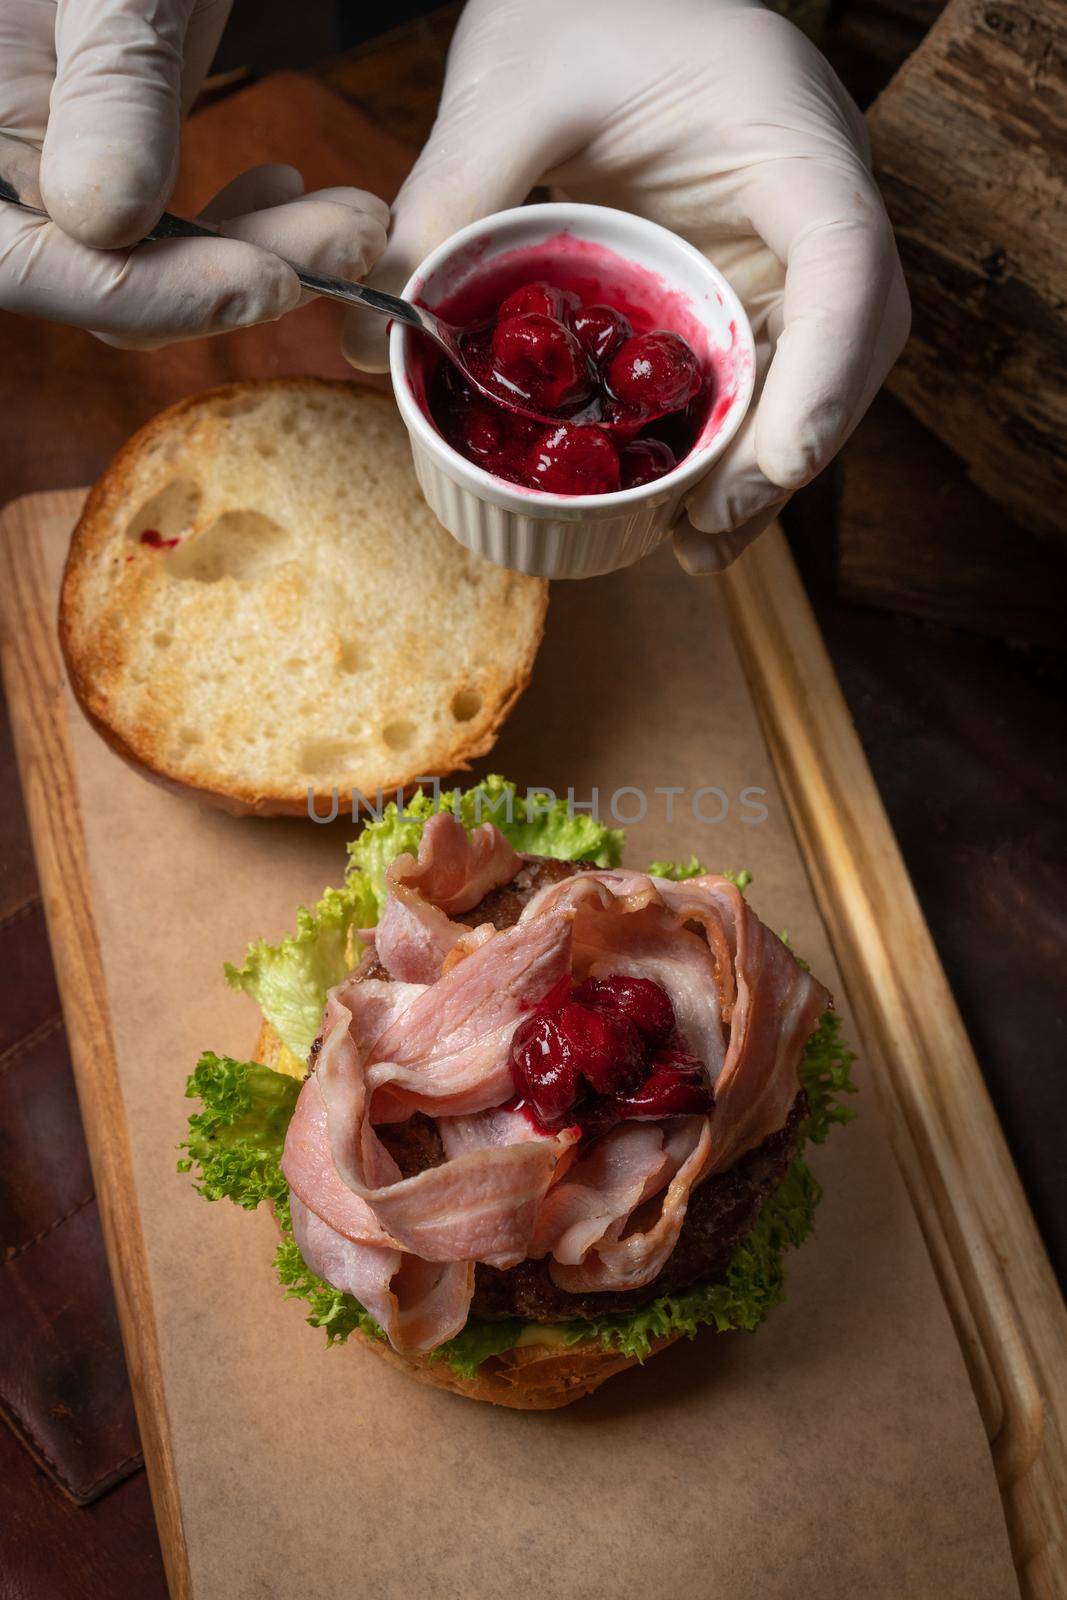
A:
{"points": [[352, 294]]}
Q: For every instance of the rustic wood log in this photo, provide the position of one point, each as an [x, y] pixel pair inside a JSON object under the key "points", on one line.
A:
{"points": [[396, 79], [868, 40], [915, 535], [970, 146]]}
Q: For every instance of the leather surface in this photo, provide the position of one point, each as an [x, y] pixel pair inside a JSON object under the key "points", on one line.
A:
{"points": [[52, 1549], [63, 1387]]}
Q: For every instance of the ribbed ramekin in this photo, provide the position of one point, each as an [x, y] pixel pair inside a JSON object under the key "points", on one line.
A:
{"points": [[569, 536]]}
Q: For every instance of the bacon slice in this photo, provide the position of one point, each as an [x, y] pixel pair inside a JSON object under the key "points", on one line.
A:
{"points": [[743, 1003], [455, 869], [623, 925], [438, 1041], [601, 1189], [309, 1170], [418, 1304], [487, 1130], [453, 872], [414, 937], [480, 1206], [775, 1012], [634, 1259], [447, 1054], [374, 1005]]}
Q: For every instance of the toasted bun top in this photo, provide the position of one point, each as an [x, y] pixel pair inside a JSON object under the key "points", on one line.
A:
{"points": [[257, 601]]}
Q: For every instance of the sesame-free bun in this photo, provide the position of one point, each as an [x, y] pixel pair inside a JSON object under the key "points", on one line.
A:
{"points": [[535, 1377], [532, 1377], [296, 617]]}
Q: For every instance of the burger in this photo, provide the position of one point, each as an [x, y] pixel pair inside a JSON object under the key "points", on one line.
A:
{"points": [[524, 1116]]}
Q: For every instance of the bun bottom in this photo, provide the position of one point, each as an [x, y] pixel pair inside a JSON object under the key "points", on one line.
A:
{"points": [[534, 1377], [531, 1378]]}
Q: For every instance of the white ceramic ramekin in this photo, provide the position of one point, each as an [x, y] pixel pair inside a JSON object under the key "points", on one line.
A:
{"points": [[572, 536]]}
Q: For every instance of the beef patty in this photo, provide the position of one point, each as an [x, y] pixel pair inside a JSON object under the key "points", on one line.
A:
{"points": [[722, 1211]]}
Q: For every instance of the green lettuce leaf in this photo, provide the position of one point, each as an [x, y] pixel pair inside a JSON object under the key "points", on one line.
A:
{"points": [[825, 1072], [538, 826], [753, 1282], [235, 1143], [678, 871], [476, 1343], [340, 1314], [289, 980], [234, 1150]]}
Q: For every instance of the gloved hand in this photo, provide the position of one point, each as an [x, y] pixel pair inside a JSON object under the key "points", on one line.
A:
{"points": [[722, 122], [101, 85]]}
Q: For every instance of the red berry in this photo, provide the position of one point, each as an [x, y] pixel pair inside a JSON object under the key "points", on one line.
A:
{"points": [[558, 1056], [600, 330], [481, 430], [639, 1000], [541, 298], [573, 460], [542, 1068], [656, 370], [539, 361], [607, 1050], [625, 421], [676, 1086], [645, 460]]}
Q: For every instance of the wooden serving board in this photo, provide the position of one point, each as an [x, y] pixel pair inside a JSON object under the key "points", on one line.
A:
{"points": [[845, 1434]]}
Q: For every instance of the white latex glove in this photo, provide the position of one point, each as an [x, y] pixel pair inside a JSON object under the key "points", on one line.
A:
{"points": [[722, 122], [99, 87]]}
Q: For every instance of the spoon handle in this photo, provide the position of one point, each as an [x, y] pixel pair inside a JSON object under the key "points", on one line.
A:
{"points": [[324, 283], [354, 294]]}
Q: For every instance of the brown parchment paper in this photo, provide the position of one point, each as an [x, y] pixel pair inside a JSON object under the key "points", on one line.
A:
{"points": [[838, 1452]]}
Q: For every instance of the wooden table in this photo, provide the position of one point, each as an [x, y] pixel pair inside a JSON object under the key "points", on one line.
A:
{"points": [[958, 731]]}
